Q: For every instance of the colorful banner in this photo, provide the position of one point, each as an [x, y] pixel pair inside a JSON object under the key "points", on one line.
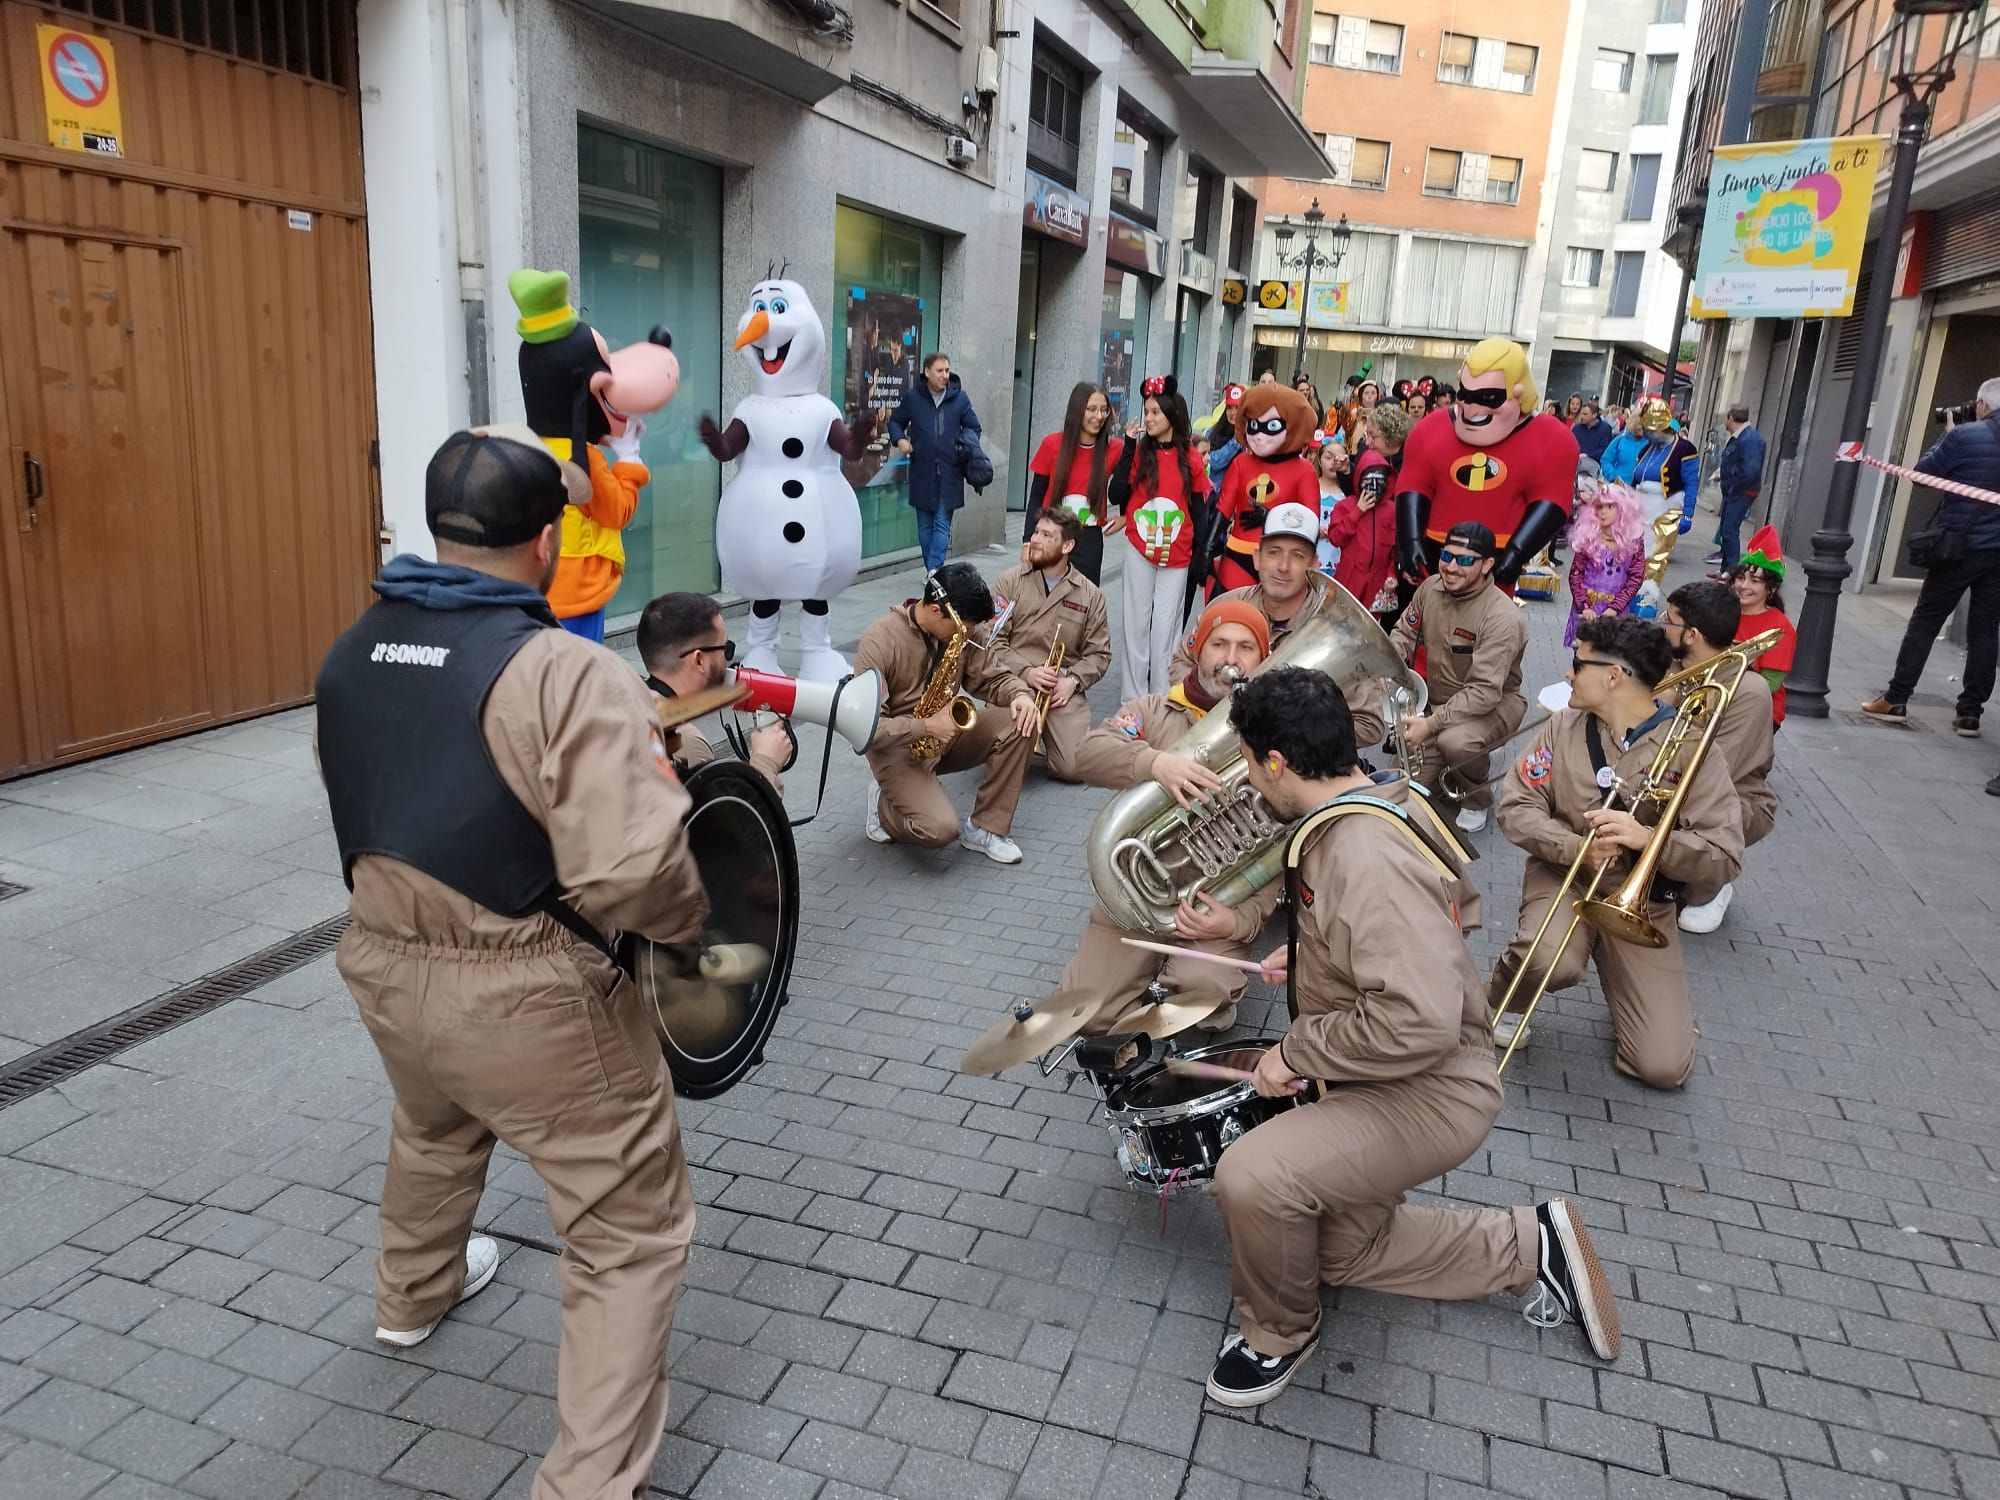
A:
{"points": [[1329, 303], [1785, 228]]}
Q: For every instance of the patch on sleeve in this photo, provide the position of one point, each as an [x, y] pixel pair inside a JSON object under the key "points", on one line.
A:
{"points": [[1537, 764], [1305, 895], [1129, 725]]}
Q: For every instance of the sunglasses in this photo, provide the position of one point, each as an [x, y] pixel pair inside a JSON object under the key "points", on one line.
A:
{"points": [[1485, 396], [1578, 663], [1461, 559], [727, 648]]}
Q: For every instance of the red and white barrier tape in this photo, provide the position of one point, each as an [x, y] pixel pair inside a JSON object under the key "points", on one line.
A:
{"points": [[1850, 453]]}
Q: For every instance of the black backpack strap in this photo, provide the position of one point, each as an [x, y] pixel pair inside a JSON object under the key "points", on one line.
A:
{"points": [[552, 905]]}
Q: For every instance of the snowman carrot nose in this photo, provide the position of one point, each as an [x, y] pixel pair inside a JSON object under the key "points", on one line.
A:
{"points": [[760, 324]]}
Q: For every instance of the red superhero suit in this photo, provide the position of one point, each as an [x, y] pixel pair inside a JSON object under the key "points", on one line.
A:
{"points": [[1490, 459], [1275, 425]]}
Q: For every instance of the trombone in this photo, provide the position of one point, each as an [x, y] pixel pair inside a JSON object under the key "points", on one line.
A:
{"points": [[1707, 690]]}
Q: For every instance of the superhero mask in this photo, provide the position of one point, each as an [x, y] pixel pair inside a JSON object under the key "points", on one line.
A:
{"points": [[1274, 420], [1655, 415], [577, 389]]}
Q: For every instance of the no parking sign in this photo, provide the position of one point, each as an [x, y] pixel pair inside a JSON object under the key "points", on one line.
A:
{"points": [[80, 90]]}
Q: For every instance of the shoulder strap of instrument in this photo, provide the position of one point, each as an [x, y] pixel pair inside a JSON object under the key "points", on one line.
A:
{"points": [[1593, 739]]}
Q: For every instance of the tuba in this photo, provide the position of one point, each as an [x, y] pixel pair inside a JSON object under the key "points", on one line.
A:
{"points": [[1147, 853]]}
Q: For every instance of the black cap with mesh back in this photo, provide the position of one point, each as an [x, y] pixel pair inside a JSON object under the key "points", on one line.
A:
{"points": [[1474, 536], [497, 486], [959, 585]]}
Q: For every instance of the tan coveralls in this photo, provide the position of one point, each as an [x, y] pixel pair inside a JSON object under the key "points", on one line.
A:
{"points": [[493, 1026], [1107, 968], [1073, 609], [915, 808], [1364, 698], [696, 750], [1391, 1017], [1472, 661], [1543, 800]]}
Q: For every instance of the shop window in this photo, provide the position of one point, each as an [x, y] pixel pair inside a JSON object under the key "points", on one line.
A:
{"points": [[1487, 62], [1597, 171], [1121, 361], [1357, 161], [1628, 267], [1138, 154], [1644, 188], [1657, 96], [1055, 114], [1370, 46], [888, 276], [650, 252], [1582, 267], [1611, 71]]}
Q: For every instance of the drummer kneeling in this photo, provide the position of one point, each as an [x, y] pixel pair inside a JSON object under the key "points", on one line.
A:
{"points": [[1391, 1015]]}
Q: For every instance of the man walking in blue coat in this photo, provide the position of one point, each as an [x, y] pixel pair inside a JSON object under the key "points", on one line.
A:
{"points": [[1741, 476], [932, 426]]}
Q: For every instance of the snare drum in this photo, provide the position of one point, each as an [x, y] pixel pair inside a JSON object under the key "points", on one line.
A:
{"points": [[1171, 1131]]}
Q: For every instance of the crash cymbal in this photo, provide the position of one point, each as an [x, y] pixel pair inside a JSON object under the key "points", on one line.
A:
{"points": [[1160, 1019], [675, 712], [1030, 1031]]}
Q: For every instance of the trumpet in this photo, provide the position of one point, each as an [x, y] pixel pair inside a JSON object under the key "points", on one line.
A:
{"points": [[1707, 689], [1042, 699]]}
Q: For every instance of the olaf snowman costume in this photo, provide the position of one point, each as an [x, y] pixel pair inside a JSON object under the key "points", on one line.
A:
{"points": [[788, 526]]}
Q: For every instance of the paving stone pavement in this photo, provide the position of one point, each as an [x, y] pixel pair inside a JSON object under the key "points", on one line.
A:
{"points": [[918, 1284]]}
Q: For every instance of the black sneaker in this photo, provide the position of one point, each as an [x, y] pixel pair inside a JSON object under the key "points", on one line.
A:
{"points": [[1243, 1377], [1571, 1284], [1993, 787], [1966, 726]]}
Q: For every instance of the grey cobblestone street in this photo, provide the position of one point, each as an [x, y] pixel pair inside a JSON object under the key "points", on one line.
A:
{"points": [[912, 1283]]}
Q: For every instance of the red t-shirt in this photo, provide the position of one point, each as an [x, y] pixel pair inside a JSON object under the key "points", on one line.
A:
{"points": [[1778, 660], [1073, 491], [1161, 524]]}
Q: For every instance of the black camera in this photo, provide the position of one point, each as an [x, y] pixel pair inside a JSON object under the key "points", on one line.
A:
{"points": [[1964, 412]]}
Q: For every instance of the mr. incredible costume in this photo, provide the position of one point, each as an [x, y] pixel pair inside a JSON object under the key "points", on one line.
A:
{"points": [[1275, 424], [1489, 458]]}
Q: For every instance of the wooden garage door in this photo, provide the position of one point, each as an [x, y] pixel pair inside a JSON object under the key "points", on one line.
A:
{"points": [[186, 400]]}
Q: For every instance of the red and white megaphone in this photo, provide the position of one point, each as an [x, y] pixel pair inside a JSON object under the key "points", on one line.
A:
{"points": [[851, 708]]}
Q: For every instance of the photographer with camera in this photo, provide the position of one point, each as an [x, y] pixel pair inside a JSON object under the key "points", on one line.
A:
{"points": [[1959, 551]]}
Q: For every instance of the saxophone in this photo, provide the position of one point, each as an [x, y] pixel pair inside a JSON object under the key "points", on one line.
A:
{"points": [[941, 693], [1147, 854]]}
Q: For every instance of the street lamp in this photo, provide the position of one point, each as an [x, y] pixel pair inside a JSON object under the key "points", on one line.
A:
{"points": [[1806, 685], [1309, 256]]}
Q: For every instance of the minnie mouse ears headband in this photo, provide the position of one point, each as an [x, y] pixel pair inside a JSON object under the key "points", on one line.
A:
{"points": [[1160, 385]]}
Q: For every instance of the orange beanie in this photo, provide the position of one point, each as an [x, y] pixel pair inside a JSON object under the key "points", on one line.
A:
{"points": [[1232, 612]]}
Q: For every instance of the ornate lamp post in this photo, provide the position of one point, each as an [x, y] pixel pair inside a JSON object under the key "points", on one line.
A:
{"points": [[1307, 258], [1806, 684]]}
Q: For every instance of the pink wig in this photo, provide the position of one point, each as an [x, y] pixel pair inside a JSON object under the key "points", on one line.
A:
{"points": [[1628, 532]]}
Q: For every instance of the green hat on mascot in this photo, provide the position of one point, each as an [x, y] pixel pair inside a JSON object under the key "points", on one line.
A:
{"points": [[543, 297]]}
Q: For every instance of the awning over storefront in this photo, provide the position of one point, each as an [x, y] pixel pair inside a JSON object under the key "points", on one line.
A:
{"points": [[1257, 132]]}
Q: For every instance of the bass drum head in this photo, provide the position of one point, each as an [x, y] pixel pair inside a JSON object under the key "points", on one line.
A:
{"points": [[713, 1033]]}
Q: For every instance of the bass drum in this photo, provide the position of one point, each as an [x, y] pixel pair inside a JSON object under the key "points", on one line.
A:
{"points": [[713, 1033]]}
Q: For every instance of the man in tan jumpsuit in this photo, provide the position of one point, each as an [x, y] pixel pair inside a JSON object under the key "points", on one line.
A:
{"points": [[906, 802], [1554, 797], [685, 649], [1701, 621], [503, 802], [1389, 1021], [1472, 638], [1291, 592], [1134, 745], [1045, 600]]}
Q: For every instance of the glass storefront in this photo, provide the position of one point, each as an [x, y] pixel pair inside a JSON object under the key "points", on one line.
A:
{"points": [[651, 253], [1187, 344], [1121, 359], [888, 277]]}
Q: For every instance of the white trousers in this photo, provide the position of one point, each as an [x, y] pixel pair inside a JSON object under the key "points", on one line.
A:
{"points": [[1153, 600]]}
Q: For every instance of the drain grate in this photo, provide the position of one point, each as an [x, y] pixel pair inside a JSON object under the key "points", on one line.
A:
{"points": [[1868, 721], [8, 888], [87, 1048]]}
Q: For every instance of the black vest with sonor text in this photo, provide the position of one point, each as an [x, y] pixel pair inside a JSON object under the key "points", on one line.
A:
{"points": [[407, 769]]}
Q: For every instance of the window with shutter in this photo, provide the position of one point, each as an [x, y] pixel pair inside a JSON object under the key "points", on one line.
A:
{"points": [[1350, 42], [1582, 266], [1455, 58], [1517, 69], [1502, 182], [1441, 173], [1323, 29], [1384, 48], [1596, 171], [1370, 164], [1611, 71]]}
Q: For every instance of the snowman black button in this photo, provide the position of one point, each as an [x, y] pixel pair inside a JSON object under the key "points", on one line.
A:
{"points": [[794, 448], [794, 532], [793, 489]]}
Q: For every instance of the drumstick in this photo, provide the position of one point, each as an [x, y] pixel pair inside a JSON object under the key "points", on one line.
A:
{"points": [[1214, 958], [1187, 1067]]}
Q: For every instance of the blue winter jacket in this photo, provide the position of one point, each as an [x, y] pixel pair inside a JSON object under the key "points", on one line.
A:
{"points": [[1741, 471], [1620, 454], [934, 428], [1970, 454]]}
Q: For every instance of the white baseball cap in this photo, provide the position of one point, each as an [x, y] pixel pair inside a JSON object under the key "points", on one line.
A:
{"points": [[1292, 519]]}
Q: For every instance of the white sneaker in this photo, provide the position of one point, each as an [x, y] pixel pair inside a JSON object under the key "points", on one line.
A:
{"points": [[482, 1259], [1509, 1027], [872, 826], [1470, 819], [1707, 916], [995, 846]]}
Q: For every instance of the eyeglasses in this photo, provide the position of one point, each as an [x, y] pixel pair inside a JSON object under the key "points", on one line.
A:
{"points": [[1493, 396], [1578, 663], [1462, 559], [727, 648]]}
